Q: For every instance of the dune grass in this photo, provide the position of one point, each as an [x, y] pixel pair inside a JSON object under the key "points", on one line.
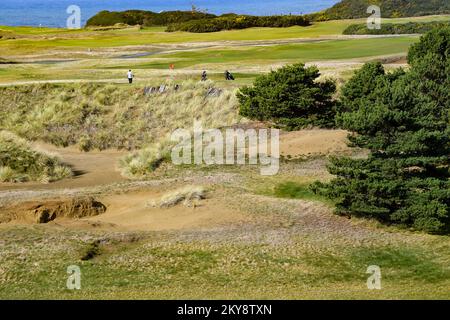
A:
{"points": [[188, 195], [141, 163], [20, 162], [99, 116]]}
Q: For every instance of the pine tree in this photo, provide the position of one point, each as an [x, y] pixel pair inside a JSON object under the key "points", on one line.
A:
{"points": [[403, 118], [290, 96]]}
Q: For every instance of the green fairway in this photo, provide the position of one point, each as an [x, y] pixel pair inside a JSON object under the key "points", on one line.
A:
{"points": [[30, 39], [92, 49], [249, 59], [323, 50]]}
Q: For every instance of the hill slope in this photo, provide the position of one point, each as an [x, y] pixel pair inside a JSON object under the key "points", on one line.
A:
{"points": [[349, 9]]}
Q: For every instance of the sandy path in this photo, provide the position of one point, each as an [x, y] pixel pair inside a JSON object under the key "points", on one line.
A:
{"points": [[313, 142], [91, 169], [100, 168]]}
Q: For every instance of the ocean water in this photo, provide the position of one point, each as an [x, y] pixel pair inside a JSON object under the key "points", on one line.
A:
{"points": [[52, 13]]}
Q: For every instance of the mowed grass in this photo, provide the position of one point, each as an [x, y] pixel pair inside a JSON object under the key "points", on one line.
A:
{"points": [[252, 58], [62, 38], [293, 190], [31, 39], [141, 267], [286, 185], [74, 44], [322, 50]]}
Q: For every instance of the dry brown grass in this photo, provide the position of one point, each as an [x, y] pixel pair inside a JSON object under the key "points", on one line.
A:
{"points": [[20, 162], [189, 196], [96, 116]]}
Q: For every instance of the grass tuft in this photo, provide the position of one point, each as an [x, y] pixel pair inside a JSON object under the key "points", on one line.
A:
{"points": [[140, 164], [188, 195]]}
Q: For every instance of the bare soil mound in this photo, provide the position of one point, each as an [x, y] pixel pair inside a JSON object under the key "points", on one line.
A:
{"points": [[44, 212], [131, 212]]}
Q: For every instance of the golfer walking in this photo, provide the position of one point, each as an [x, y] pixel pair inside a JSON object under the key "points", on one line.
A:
{"points": [[130, 76]]}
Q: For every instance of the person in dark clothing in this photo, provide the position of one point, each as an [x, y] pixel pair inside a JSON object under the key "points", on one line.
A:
{"points": [[204, 76], [228, 76]]}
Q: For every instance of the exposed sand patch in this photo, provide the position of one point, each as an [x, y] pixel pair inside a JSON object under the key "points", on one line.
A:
{"points": [[131, 213], [313, 142], [125, 212], [91, 169]]}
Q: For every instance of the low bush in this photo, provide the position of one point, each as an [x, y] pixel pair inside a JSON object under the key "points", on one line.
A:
{"points": [[235, 22], [145, 18], [91, 251]]}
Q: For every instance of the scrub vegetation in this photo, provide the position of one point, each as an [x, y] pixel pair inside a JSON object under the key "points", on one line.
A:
{"points": [[20, 162], [97, 116]]}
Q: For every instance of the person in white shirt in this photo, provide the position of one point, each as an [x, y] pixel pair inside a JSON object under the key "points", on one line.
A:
{"points": [[130, 76]]}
